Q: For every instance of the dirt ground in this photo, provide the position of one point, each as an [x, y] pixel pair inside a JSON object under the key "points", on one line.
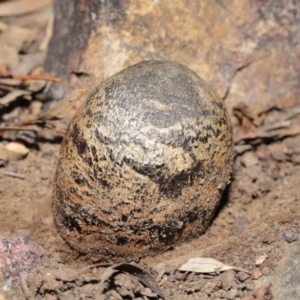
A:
{"points": [[257, 228]]}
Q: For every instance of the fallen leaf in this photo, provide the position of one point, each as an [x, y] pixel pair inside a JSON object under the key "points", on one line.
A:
{"points": [[12, 96], [22, 7], [49, 29], [13, 151], [18, 37], [36, 85], [266, 133], [207, 265], [17, 147]]}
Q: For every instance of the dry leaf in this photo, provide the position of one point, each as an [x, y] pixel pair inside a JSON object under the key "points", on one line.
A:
{"points": [[17, 147], [37, 85], [18, 37], [44, 44], [22, 7], [12, 96], [207, 265], [66, 107], [270, 134], [13, 151]]}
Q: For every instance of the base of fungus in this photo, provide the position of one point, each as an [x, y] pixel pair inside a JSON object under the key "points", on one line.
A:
{"points": [[107, 245]]}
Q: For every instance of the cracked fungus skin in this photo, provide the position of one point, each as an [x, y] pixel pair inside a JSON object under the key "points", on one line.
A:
{"points": [[144, 163]]}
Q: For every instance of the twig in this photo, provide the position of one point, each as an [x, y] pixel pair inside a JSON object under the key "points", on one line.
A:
{"points": [[12, 174], [24, 286], [17, 128], [30, 77]]}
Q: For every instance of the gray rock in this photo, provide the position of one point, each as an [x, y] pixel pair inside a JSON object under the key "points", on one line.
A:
{"points": [[209, 287], [232, 294], [286, 276], [243, 276], [290, 236], [228, 279]]}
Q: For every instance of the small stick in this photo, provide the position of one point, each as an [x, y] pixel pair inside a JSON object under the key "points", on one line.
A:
{"points": [[17, 128], [30, 77], [12, 174], [24, 286]]}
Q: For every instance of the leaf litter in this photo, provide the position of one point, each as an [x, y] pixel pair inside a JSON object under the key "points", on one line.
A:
{"points": [[208, 265]]}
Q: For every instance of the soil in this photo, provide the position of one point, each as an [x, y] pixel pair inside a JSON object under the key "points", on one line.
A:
{"points": [[257, 227]]}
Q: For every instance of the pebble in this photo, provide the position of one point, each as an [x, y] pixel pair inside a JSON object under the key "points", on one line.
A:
{"points": [[256, 274], [266, 271], [232, 294], [290, 236], [243, 276], [298, 227], [228, 279], [239, 224], [148, 293], [220, 294], [209, 287]]}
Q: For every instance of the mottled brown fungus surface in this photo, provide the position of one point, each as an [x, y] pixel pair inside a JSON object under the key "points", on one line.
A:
{"points": [[144, 163]]}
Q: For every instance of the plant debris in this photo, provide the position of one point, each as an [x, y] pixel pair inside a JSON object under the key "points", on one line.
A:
{"points": [[208, 265]]}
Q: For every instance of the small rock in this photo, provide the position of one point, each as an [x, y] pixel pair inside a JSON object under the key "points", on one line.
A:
{"points": [[249, 159], [232, 294], [256, 274], [228, 279], [277, 151], [209, 287], [239, 225], [262, 153], [220, 294], [114, 295], [148, 293], [250, 286], [298, 227], [243, 276], [47, 221], [247, 286], [248, 297], [290, 236], [266, 271], [18, 254]]}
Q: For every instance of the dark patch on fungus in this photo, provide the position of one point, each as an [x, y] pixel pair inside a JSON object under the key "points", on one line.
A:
{"points": [[169, 186]]}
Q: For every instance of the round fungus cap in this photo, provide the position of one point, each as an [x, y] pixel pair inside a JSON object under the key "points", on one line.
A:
{"points": [[144, 163]]}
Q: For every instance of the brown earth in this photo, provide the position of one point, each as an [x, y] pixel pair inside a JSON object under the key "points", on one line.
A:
{"points": [[261, 207]]}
